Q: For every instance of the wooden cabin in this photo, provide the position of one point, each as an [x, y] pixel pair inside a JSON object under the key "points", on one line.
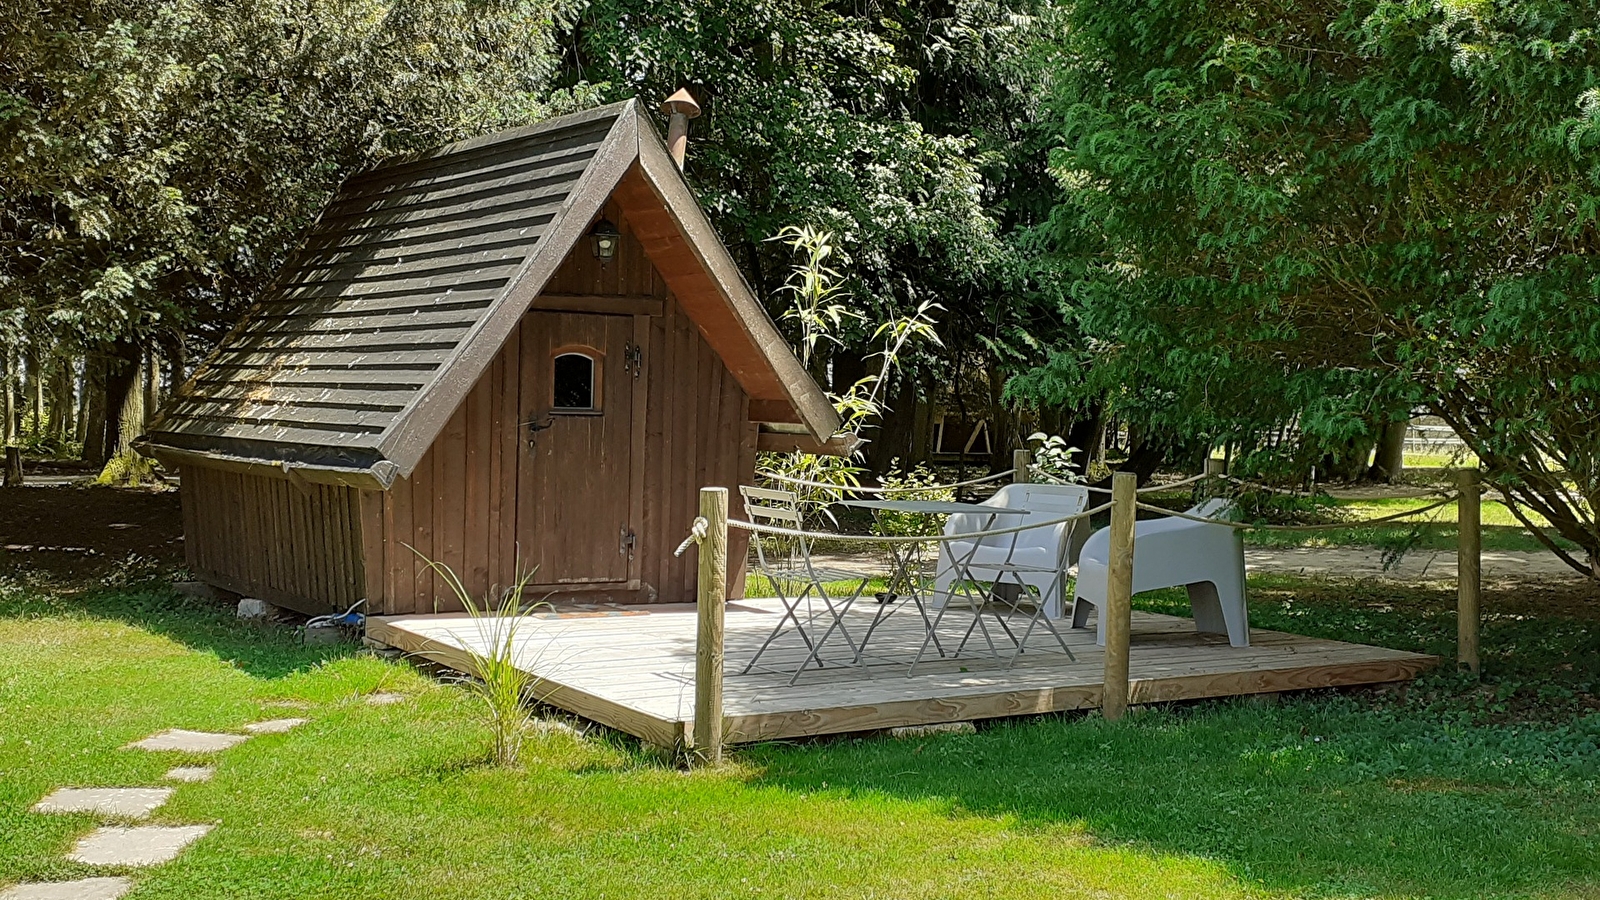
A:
{"points": [[525, 351]]}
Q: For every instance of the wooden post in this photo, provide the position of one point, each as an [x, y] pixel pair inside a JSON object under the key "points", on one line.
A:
{"points": [[1469, 569], [711, 602], [1118, 608], [13, 467], [1215, 467], [1020, 461]]}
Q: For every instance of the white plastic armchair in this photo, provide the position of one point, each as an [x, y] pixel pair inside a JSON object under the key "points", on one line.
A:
{"points": [[1036, 557], [1207, 559]]}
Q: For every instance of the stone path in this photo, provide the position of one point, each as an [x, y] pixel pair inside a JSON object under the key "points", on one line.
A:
{"points": [[189, 741], [118, 803], [144, 845], [134, 846], [82, 889]]}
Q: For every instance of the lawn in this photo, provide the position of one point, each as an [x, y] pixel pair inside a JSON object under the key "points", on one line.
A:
{"points": [[1450, 789], [1432, 530]]}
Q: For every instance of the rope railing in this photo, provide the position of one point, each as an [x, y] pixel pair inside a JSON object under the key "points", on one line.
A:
{"points": [[1147, 489], [1327, 526], [760, 528], [860, 489]]}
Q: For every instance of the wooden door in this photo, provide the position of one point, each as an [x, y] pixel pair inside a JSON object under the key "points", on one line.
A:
{"points": [[574, 484]]}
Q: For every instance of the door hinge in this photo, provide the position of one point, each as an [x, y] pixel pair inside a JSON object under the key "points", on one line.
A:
{"points": [[633, 359], [628, 542]]}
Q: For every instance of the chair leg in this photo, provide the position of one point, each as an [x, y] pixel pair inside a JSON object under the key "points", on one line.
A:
{"points": [[1219, 609], [1080, 611]]}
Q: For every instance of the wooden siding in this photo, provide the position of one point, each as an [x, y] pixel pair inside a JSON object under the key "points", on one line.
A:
{"points": [[460, 505], [295, 545], [697, 434]]}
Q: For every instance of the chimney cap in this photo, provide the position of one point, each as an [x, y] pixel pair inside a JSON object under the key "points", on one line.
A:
{"points": [[681, 102]]}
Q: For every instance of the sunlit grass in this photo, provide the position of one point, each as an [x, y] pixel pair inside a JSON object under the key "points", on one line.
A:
{"points": [[1434, 530], [1316, 797]]}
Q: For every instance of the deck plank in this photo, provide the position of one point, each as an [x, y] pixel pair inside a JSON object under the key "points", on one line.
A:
{"points": [[633, 669]]}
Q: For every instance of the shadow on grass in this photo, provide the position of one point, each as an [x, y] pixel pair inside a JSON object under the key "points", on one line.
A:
{"points": [[262, 650], [1454, 788], [1315, 797]]}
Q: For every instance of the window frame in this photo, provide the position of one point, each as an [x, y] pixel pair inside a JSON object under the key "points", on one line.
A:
{"points": [[596, 360]]}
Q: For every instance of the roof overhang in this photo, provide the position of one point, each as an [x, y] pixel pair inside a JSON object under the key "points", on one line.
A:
{"points": [[377, 476]]}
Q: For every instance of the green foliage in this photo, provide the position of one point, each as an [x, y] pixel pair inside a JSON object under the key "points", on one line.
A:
{"points": [[1327, 214], [1052, 458], [899, 128], [917, 483], [816, 296], [500, 679], [160, 159]]}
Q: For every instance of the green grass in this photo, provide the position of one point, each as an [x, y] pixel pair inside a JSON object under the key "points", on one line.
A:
{"points": [[1441, 793]]}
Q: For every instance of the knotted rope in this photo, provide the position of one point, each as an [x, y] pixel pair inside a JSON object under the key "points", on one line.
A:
{"points": [[697, 535]]}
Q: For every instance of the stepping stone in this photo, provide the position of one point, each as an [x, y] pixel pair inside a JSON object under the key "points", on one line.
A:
{"points": [[273, 726], [82, 889], [384, 698], [141, 845], [127, 803], [190, 773], [189, 741]]}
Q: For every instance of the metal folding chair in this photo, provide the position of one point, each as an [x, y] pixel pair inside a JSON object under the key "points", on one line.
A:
{"points": [[785, 561]]}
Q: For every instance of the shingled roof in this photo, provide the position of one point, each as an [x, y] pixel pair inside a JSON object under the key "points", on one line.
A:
{"points": [[413, 276]]}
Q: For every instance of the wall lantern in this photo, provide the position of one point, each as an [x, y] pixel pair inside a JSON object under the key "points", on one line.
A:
{"points": [[605, 237]]}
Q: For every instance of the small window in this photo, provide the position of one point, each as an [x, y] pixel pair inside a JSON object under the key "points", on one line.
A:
{"points": [[574, 383]]}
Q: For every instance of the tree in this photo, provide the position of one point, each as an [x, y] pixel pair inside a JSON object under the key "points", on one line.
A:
{"points": [[901, 127], [1329, 212], [161, 158]]}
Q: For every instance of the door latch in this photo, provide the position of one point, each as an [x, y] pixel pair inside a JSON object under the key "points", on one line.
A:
{"points": [[628, 542], [633, 359], [535, 426]]}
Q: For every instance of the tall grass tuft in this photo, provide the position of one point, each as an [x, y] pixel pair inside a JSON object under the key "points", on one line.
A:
{"points": [[496, 681]]}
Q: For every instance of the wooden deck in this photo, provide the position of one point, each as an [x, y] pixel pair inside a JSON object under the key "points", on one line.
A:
{"points": [[632, 668]]}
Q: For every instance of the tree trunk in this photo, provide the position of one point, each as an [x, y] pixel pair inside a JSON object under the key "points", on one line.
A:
{"points": [[1003, 437], [8, 396], [921, 433], [152, 386], [892, 438], [97, 404], [36, 392], [1390, 460], [62, 403], [126, 393]]}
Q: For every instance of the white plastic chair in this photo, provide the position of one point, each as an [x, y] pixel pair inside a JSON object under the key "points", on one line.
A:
{"points": [[1037, 557], [1207, 559]]}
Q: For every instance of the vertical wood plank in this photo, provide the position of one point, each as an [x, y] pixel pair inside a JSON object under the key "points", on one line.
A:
{"points": [[450, 513], [422, 533], [511, 447], [711, 602], [1117, 609], [371, 520], [493, 496], [399, 537], [636, 453]]}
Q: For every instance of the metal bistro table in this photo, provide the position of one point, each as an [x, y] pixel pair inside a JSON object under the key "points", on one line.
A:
{"points": [[906, 561]]}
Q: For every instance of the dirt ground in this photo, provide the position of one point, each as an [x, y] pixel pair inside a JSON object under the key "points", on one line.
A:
{"points": [[81, 530]]}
